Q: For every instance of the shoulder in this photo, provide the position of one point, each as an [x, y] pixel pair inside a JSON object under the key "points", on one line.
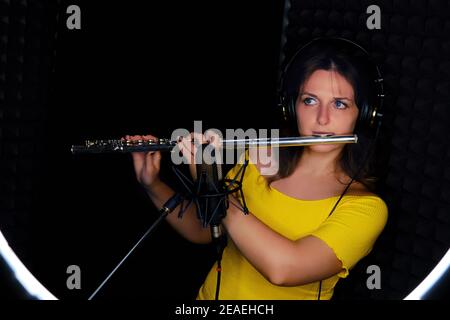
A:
{"points": [[359, 198], [359, 189], [361, 204], [358, 192]]}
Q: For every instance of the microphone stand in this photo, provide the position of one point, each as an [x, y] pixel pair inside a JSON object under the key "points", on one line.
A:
{"points": [[167, 208], [210, 192], [210, 188]]}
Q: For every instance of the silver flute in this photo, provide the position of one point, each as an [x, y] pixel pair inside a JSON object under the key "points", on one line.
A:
{"points": [[124, 146]]}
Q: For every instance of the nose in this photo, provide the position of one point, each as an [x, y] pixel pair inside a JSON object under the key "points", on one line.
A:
{"points": [[323, 116]]}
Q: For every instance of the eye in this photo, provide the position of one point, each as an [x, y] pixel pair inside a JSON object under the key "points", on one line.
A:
{"points": [[340, 105], [308, 101]]}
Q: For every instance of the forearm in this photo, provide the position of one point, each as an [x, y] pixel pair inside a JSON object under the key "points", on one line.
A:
{"points": [[268, 251], [282, 261], [189, 226]]}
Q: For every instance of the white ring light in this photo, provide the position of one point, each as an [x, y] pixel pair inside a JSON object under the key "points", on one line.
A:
{"points": [[432, 279], [37, 290], [22, 274]]}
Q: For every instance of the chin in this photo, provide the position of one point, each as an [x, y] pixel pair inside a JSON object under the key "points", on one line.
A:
{"points": [[325, 148]]}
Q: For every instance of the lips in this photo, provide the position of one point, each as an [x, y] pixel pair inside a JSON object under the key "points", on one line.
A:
{"points": [[322, 134]]}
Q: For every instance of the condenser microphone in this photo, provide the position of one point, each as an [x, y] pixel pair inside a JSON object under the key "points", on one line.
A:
{"points": [[211, 196], [212, 201]]}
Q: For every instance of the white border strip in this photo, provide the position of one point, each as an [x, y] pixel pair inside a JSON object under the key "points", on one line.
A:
{"points": [[22, 274], [431, 279]]}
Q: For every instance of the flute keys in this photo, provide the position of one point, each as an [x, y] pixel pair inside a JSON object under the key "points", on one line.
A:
{"points": [[139, 142], [133, 142]]}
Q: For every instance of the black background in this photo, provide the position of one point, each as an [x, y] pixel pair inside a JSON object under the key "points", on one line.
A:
{"points": [[138, 68], [132, 68]]}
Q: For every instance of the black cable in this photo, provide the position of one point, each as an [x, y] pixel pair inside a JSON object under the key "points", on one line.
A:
{"points": [[332, 210], [219, 273], [369, 153], [221, 242], [220, 246], [320, 289]]}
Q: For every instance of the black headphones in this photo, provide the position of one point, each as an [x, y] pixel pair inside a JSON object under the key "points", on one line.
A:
{"points": [[369, 117]]}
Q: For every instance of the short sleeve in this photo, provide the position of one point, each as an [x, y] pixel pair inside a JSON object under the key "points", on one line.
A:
{"points": [[353, 228], [233, 177], [232, 173], [237, 171]]}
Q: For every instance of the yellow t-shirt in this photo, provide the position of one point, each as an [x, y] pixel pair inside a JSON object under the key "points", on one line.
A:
{"points": [[350, 231]]}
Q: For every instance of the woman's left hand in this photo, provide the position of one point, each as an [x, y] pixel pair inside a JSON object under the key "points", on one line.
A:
{"points": [[189, 146]]}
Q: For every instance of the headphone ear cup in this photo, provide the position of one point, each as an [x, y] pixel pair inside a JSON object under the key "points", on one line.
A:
{"points": [[287, 112], [293, 113], [282, 111], [362, 123], [367, 119], [362, 119]]}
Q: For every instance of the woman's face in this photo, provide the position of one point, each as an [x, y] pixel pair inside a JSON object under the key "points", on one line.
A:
{"points": [[326, 105]]}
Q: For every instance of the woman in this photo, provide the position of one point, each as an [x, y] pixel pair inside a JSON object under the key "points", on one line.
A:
{"points": [[316, 218]]}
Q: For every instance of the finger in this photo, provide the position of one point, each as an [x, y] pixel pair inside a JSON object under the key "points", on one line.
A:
{"points": [[198, 137], [198, 140], [135, 137], [150, 137], [213, 138], [186, 150], [187, 146], [138, 161], [149, 155], [193, 170], [156, 160]]}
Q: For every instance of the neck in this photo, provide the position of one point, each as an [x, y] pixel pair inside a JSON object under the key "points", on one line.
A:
{"points": [[319, 163]]}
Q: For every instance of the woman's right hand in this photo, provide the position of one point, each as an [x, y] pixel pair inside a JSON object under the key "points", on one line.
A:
{"points": [[146, 164]]}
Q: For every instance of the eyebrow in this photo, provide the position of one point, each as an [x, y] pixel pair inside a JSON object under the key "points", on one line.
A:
{"points": [[313, 95]]}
